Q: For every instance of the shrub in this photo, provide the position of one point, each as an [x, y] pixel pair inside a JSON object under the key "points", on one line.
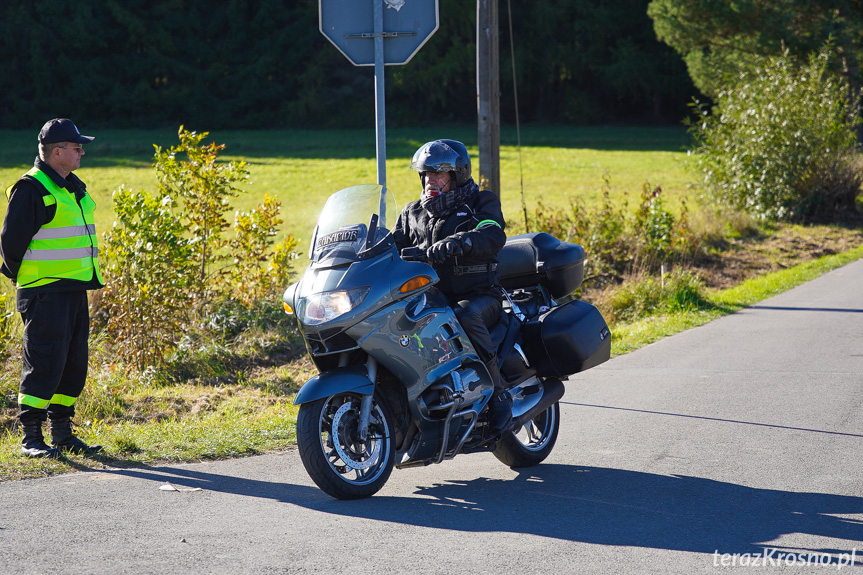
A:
{"points": [[659, 236], [780, 141], [626, 252], [148, 268], [172, 271], [616, 242], [260, 268], [191, 174]]}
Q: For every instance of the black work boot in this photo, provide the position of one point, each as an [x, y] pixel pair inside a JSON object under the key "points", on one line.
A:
{"points": [[64, 440], [33, 444]]}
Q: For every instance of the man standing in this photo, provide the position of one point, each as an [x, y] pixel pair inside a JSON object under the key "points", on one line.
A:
{"points": [[49, 250]]}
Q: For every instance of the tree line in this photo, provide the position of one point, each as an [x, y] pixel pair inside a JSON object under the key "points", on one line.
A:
{"points": [[264, 64]]}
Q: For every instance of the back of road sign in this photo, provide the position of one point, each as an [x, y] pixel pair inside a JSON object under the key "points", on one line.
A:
{"points": [[349, 25]]}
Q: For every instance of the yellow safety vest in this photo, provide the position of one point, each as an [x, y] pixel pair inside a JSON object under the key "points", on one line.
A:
{"points": [[65, 247]]}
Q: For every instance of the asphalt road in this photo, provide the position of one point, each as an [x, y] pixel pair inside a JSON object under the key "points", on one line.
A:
{"points": [[735, 443]]}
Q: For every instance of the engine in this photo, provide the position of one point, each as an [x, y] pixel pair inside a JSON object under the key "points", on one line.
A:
{"points": [[458, 390]]}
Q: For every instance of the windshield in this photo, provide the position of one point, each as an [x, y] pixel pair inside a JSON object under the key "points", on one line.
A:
{"points": [[353, 221]]}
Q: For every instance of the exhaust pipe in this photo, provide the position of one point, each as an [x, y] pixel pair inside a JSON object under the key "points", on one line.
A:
{"points": [[552, 391]]}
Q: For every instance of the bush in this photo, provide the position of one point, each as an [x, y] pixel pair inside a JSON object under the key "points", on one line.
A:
{"points": [[658, 236], [619, 244], [148, 266], [627, 253], [172, 271], [190, 173], [780, 142], [260, 269]]}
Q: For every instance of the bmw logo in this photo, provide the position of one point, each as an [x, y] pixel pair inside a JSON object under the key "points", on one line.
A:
{"points": [[404, 341]]}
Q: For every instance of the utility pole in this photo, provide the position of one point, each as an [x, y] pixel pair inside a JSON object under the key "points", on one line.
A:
{"points": [[488, 94]]}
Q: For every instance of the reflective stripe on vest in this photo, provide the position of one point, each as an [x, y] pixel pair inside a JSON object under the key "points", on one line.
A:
{"points": [[66, 247]]}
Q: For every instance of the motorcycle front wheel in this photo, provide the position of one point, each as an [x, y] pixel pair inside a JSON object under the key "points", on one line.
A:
{"points": [[531, 443], [335, 457]]}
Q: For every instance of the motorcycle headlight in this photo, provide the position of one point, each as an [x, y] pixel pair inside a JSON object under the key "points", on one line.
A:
{"points": [[326, 306]]}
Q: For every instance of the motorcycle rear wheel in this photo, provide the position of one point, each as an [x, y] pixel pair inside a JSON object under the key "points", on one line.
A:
{"points": [[334, 456], [531, 443]]}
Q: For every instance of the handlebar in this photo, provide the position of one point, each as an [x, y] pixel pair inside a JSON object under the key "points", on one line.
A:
{"points": [[414, 254]]}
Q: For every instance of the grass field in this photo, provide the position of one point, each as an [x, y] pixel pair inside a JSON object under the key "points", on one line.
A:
{"points": [[303, 168]]}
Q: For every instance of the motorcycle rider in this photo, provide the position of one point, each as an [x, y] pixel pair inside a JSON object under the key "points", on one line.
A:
{"points": [[462, 230]]}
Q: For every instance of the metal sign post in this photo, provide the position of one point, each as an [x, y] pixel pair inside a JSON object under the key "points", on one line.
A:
{"points": [[380, 100], [405, 25]]}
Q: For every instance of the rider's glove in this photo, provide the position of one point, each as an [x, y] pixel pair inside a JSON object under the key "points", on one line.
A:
{"points": [[447, 247]]}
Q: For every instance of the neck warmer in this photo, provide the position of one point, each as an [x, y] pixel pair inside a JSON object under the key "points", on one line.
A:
{"points": [[444, 203]]}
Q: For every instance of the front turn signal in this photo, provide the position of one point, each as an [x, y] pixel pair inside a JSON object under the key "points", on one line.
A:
{"points": [[288, 309], [415, 284]]}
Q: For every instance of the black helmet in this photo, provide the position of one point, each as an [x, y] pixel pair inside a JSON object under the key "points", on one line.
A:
{"points": [[443, 156]]}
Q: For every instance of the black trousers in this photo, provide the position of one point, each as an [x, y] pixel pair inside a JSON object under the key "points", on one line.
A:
{"points": [[56, 330], [477, 313]]}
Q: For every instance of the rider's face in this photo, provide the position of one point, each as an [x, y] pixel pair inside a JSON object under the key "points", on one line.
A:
{"points": [[438, 182]]}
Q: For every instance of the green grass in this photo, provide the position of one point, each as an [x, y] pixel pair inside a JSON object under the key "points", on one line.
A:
{"points": [[180, 423], [303, 168]]}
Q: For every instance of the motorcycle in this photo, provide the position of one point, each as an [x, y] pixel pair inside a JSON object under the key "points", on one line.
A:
{"points": [[399, 383]]}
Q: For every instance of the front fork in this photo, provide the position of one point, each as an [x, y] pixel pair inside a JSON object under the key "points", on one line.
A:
{"points": [[366, 405]]}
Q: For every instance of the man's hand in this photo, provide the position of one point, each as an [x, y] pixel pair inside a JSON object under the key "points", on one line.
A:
{"points": [[443, 249]]}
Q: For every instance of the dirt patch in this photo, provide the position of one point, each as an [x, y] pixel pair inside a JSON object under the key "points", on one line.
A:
{"points": [[785, 247]]}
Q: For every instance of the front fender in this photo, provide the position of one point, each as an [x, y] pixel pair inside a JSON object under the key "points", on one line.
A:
{"points": [[338, 380]]}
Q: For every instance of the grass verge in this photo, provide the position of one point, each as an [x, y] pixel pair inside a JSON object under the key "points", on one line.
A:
{"points": [[195, 423], [631, 336]]}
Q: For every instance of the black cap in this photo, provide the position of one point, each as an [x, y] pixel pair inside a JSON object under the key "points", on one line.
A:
{"points": [[62, 130]]}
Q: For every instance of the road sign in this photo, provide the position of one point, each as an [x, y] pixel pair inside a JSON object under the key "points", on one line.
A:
{"points": [[350, 26], [376, 33]]}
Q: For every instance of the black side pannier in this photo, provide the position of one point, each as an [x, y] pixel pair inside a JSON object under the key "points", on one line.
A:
{"points": [[540, 258], [567, 339]]}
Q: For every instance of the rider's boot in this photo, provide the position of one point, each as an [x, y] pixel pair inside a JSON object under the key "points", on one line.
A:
{"points": [[500, 406]]}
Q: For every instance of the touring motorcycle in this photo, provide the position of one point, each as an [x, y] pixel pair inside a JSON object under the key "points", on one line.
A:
{"points": [[399, 382]]}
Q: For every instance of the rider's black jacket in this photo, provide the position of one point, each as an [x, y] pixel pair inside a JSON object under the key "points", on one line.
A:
{"points": [[479, 221]]}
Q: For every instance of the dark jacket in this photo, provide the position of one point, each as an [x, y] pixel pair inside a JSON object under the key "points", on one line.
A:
{"points": [[479, 221], [27, 213]]}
